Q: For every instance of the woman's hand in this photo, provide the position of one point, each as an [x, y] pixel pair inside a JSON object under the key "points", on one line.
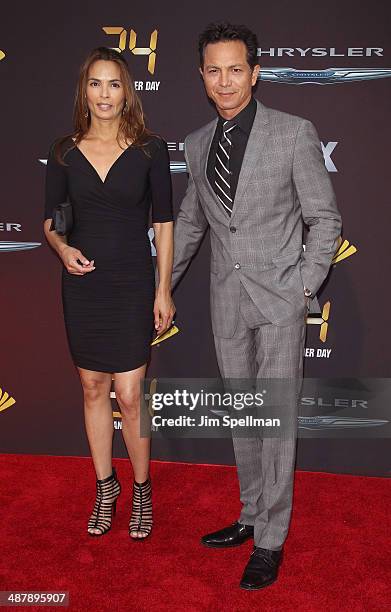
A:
{"points": [[164, 311], [70, 255]]}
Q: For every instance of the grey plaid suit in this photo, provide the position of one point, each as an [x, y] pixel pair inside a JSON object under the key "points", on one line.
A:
{"points": [[258, 270]]}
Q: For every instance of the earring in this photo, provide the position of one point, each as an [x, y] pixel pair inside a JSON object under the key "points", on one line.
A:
{"points": [[86, 113], [125, 108]]}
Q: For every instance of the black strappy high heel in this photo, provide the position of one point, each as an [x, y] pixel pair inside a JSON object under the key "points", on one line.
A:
{"points": [[141, 519], [107, 492]]}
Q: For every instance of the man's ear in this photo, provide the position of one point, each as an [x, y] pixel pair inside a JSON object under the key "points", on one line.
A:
{"points": [[201, 72], [255, 73]]}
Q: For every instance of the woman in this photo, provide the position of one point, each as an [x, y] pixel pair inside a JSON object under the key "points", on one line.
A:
{"points": [[112, 168]]}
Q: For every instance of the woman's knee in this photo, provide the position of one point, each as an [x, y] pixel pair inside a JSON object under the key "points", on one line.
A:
{"points": [[95, 387], [129, 401]]}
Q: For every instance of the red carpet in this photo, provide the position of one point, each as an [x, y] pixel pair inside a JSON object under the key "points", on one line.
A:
{"points": [[337, 556]]}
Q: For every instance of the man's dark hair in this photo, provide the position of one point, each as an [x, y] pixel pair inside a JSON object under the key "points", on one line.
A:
{"points": [[223, 31]]}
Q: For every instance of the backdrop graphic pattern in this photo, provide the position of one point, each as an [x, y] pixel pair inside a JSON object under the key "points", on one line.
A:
{"points": [[40, 52]]}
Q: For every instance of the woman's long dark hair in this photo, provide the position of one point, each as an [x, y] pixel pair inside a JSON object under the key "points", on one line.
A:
{"points": [[132, 127]]}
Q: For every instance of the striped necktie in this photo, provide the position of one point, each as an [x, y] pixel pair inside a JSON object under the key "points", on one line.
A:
{"points": [[222, 172]]}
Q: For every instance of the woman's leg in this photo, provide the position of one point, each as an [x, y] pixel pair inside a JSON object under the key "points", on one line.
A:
{"points": [[127, 389], [98, 416]]}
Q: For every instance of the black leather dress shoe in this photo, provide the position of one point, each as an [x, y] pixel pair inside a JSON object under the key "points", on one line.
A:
{"points": [[234, 535], [262, 568]]}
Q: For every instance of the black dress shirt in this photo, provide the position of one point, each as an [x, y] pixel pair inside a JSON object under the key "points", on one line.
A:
{"points": [[239, 137]]}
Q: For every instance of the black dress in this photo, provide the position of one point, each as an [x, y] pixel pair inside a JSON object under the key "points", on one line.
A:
{"points": [[109, 312]]}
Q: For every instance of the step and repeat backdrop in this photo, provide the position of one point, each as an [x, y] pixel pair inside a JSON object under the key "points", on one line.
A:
{"points": [[329, 63]]}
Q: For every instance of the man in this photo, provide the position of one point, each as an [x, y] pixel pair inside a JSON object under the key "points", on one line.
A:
{"points": [[255, 174]]}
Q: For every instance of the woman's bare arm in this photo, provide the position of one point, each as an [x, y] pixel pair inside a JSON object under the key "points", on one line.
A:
{"points": [[69, 255], [164, 308]]}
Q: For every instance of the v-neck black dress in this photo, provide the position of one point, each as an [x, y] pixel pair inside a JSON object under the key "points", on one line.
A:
{"points": [[109, 312]]}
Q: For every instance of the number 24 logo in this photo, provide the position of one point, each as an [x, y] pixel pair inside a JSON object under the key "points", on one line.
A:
{"points": [[149, 51]]}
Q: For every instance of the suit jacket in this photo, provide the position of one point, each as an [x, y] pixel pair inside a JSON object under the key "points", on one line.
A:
{"points": [[283, 183]]}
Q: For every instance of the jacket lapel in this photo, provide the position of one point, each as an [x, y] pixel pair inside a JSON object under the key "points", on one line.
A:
{"points": [[257, 141]]}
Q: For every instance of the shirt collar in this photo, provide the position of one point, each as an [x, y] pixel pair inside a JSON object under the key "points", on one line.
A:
{"points": [[245, 118]]}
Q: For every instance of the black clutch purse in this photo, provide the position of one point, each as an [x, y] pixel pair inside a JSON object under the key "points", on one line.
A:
{"points": [[62, 219]]}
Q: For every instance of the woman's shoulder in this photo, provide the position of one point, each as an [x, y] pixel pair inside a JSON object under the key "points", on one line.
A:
{"points": [[155, 142], [61, 144], [156, 146]]}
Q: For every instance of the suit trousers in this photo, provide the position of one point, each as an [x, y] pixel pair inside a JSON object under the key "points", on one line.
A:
{"points": [[265, 465]]}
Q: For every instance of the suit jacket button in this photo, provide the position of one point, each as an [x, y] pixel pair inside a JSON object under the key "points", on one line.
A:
{"points": [[237, 266], [232, 229]]}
